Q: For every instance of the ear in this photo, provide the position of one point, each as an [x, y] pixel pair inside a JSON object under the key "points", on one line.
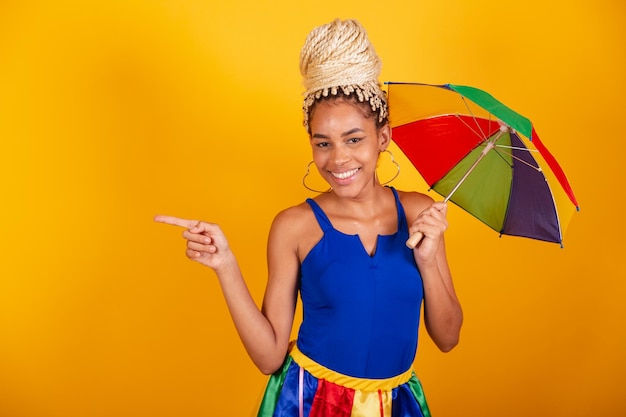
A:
{"points": [[384, 137]]}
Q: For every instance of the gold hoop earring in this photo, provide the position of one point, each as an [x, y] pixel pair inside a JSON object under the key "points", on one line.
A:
{"points": [[393, 160], [308, 171]]}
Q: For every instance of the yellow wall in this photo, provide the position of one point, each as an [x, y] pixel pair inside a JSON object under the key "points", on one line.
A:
{"points": [[113, 111]]}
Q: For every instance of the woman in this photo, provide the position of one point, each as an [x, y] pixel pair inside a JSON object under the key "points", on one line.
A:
{"points": [[345, 251]]}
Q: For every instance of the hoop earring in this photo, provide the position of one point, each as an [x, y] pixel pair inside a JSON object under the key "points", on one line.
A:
{"points": [[308, 171], [393, 160]]}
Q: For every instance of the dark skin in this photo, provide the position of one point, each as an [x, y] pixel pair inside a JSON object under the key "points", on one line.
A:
{"points": [[346, 144]]}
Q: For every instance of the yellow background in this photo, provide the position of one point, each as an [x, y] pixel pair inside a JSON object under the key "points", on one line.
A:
{"points": [[114, 111]]}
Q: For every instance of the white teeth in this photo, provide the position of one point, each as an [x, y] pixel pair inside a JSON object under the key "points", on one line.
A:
{"points": [[346, 174]]}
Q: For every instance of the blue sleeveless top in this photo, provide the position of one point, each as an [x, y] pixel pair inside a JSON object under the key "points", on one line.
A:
{"points": [[360, 313]]}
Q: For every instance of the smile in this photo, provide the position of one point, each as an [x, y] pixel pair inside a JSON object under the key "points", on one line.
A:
{"points": [[346, 174]]}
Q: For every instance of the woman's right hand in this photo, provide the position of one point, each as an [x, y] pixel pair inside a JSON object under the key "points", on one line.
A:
{"points": [[206, 243]]}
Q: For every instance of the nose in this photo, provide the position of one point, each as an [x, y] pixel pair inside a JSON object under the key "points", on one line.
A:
{"points": [[340, 156]]}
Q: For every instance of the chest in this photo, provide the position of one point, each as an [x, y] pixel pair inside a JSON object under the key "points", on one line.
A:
{"points": [[340, 273], [367, 231]]}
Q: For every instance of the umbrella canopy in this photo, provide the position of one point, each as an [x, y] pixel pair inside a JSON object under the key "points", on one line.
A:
{"points": [[482, 156]]}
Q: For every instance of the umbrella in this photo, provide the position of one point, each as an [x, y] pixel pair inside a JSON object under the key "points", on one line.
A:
{"points": [[482, 156]]}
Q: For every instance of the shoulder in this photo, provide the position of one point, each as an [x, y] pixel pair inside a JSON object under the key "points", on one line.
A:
{"points": [[414, 202], [293, 223], [295, 230], [294, 217]]}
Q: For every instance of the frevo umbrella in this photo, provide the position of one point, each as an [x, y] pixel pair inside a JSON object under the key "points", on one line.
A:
{"points": [[482, 156]]}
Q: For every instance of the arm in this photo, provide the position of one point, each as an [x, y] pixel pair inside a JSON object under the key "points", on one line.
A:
{"points": [[442, 311], [264, 333]]}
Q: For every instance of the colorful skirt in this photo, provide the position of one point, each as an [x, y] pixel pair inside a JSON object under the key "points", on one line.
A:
{"points": [[304, 388]]}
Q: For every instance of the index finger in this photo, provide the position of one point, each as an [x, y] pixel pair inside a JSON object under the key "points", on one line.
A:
{"points": [[175, 221]]}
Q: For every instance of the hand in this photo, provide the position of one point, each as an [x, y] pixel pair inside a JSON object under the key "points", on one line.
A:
{"points": [[206, 243], [431, 225]]}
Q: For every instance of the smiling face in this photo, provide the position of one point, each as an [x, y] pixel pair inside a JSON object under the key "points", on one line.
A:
{"points": [[346, 145]]}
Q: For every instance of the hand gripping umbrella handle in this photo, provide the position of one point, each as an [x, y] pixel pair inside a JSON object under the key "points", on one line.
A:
{"points": [[414, 239]]}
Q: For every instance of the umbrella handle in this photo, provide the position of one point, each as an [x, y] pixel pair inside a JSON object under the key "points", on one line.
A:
{"points": [[414, 239]]}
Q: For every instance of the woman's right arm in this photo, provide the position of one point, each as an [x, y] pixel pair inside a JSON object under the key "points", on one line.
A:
{"points": [[265, 333]]}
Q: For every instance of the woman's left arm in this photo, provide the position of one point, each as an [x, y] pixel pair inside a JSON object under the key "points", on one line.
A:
{"points": [[443, 315], [442, 311]]}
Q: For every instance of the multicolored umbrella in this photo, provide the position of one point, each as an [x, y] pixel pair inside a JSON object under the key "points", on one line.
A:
{"points": [[482, 156]]}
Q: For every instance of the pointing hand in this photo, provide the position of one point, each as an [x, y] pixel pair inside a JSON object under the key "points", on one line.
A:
{"points": [[206, 243]]}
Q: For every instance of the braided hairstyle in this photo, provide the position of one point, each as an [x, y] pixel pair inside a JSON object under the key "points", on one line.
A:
{"points": [[338, 61]]}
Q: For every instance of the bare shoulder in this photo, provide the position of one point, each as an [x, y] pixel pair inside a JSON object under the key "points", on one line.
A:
{"points": [[296, 228], [295, 217], [414, 203]]}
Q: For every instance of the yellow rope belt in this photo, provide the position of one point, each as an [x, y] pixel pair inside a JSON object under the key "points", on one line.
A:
{"points": [[363, 384]]}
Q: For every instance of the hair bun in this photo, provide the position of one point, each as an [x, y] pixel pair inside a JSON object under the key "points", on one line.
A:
{"points": [[338, 56]]}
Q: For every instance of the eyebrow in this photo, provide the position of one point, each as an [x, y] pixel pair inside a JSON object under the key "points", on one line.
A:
{"points": [[348, 133]]}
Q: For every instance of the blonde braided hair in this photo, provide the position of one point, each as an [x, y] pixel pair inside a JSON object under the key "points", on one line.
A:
{"points": [[338, 58]]}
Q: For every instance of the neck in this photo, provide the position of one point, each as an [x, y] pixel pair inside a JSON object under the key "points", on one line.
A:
{"points": [[366, 204]]}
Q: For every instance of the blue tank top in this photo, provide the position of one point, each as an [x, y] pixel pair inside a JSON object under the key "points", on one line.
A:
{"points": [[360, 313]]}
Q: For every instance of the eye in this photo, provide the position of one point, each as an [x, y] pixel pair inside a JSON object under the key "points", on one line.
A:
{"points": [[354, 140], [322, 144]]}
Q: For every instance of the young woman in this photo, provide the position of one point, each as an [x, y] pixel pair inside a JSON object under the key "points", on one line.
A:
{"points": [[344, 251]]}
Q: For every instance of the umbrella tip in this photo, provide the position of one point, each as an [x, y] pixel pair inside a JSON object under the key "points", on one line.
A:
{"points": [[577, 208]]}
